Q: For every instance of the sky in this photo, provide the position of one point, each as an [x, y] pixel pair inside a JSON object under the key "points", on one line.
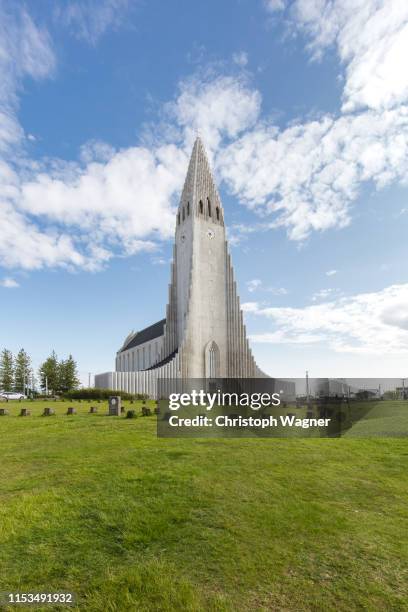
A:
{"points": [[303, 109]]}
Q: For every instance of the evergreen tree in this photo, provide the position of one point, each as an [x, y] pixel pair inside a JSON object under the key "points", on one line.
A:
{"points": [[6, 371], [49, 373], [22, 371], [68, 375]]}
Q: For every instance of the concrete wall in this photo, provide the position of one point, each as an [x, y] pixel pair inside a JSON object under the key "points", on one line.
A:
{"points": [[140, 357], [138, 382]]}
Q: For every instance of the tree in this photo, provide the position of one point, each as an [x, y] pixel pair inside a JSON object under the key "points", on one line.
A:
{"points": [[22, 371], [49, 373], [6, 370], [68, 375]]}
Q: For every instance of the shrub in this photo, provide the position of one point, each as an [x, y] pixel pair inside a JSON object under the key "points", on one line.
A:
{"points": [[102, 394]]}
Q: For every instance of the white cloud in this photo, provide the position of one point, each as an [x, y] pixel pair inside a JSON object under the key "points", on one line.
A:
{"points": [[110, 202], [96, 151], [275, 5], [280, 337], [80, 214], [161, 261], [11, 133], [215, 107], [369, 323], [25, 51], [331, 272], [307, 175], [238, 233], [304, 177], [250, 307], [9, 283], [277, 290], [256, 284], [74, 215], [23, 245], [371, 38], [125, 199], [323, 294], [89, 19], [253, 284], [240, 58]]}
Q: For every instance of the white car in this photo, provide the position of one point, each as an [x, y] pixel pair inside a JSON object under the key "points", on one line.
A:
{"points": [[12, 395]]}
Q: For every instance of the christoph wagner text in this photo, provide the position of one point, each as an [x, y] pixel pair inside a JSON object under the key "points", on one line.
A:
{"points": [[264, 422], [209, 400]]}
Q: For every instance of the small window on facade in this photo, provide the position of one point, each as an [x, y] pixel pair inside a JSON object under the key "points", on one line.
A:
{"points": [[178, 218], [188, 208], [201, 207], [184, 214], [209, 207], [217, 212]]}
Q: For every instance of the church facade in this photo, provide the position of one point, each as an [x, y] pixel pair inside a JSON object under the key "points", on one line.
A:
{"points": [[203, 334]]}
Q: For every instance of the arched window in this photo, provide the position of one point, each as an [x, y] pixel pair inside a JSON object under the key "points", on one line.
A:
{"points": [[201, 207], [184, 214], [217, 212], [209, 207], [178, 218], [188, 208], [212, 360]]}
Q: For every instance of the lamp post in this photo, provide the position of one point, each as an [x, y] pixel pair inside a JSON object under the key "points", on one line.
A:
{"points": [[307, 387]]}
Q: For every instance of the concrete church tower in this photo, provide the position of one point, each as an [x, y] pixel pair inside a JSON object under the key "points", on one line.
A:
{"points": [[204, 319], [203, 334]]}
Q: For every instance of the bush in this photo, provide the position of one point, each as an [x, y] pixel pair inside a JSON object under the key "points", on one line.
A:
{"points": [[102, 394]]}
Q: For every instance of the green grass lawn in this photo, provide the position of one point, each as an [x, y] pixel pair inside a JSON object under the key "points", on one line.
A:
{"points": [[99, 506]]}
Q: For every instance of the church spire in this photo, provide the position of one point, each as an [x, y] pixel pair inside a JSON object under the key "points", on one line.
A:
{"points": [[200, 195]]}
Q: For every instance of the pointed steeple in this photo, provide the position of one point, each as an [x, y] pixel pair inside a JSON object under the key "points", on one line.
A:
{"points": [[200, 195]]}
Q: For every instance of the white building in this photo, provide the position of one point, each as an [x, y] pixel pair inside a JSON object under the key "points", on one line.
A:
{"points": [[203, 334]]}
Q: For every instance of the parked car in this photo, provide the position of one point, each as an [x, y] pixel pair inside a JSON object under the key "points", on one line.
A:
{"points": [[12, 395]]}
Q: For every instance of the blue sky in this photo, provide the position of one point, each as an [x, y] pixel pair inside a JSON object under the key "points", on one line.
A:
{"points": [[303, 108]]}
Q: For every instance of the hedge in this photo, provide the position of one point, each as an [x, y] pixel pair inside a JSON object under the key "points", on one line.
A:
{"points": [[102, 394]]}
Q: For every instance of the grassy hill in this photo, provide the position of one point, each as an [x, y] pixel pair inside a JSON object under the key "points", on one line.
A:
{"points": [[99, 506]]}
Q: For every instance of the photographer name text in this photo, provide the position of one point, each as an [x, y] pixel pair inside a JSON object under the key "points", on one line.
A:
{"points": [[239, 421]]}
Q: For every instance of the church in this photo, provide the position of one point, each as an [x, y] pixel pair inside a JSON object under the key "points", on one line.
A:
{"points": [[203, 334]]}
